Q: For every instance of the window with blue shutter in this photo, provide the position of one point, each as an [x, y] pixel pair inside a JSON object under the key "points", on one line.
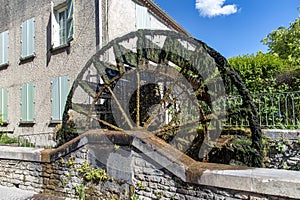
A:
{"points": [[60, 91], [3, 104], [70, 20], [27, 102], [28, 38], [142, 18], [4, 48], [62, 23]]}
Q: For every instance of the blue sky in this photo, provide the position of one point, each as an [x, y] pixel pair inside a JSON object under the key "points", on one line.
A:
{"points": [[232, 27]]}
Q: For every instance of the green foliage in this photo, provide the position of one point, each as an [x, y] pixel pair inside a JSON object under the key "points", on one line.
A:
{"points": [[116, 147], [279, 69], [140, 185], [65, 134], [91, 174], [86, 173], [285, 42], [259, 71], [69, 163], [80, 191], [134, 197], [4, 139]]}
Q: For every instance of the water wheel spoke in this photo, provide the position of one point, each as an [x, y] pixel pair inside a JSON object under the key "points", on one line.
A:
{"points": [[127, 119], [81, 109], [86, 86], [162, 101], [107, 124], [188, 124], [101, 66], [119, 57]]}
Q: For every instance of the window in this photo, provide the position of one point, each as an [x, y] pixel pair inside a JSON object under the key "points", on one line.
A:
{"points": [[60, 91], [4, 48], [142, 17], [28, 38], [3, 104], [27, 103], [62, 24]]}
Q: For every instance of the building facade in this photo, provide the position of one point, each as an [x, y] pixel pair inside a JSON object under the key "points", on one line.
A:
{"points": [[45, 44]]}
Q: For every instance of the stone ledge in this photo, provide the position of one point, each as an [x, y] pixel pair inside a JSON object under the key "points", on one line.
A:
{"points": [[257, 180], [279, 134], [21, 153]]}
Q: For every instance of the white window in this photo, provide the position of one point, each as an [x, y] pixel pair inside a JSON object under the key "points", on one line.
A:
{"points": [[4, 48], [142, 18], [62, 23], [28, 38]]}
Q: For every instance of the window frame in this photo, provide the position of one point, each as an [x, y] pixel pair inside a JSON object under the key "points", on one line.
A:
{"points": [[68, 8], [65, 13]]}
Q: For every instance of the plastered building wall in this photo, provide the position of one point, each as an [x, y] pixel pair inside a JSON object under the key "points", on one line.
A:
{"points": [[95, 24]]}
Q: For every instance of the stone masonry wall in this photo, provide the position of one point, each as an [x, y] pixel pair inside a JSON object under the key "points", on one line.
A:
{"points": [[58, 178], [23, 175], [283, 151], [154, 182]]}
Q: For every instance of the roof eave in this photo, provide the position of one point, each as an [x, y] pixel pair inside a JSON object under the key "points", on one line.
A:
{"points": [[165, 16]]}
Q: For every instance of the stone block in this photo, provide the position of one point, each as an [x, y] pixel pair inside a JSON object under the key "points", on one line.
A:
{"points": [[153, 185]]}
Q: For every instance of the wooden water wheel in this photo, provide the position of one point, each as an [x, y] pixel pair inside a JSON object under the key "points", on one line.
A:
{"points": [[158, 80]]}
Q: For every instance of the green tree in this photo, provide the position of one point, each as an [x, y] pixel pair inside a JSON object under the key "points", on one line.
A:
{"points": [[286, 42], [259, 71], [277, 70]]}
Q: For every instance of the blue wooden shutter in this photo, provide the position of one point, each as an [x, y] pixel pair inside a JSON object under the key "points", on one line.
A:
{"points": [[54, 28], [64, 93], [24, 103], [142, 17], [70, 20], [24, 39], [60, 91], [5, 47], [3, 104], [30, 102], [55, 99], [30, 37], [27, 106], [1, 49]]}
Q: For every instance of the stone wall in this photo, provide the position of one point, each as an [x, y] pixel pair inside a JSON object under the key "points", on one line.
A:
{"points": [[153, 170], [59, 178], [282, 149], [154, 182]]}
